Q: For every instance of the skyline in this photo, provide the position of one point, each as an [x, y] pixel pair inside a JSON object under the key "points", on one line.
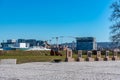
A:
{"points": [[43, 20]]}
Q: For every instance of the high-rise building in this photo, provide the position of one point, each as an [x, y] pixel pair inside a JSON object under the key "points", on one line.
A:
{"points": [[86, 43]]}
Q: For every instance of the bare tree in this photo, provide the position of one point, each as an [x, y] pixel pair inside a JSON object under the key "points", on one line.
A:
{"points": [[115, 20]]}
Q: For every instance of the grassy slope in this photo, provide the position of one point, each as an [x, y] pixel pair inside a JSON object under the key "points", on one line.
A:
{"points": [[33, 56]]}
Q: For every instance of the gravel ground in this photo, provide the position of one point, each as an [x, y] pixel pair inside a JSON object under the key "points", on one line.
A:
{"points": [[62, 71]]}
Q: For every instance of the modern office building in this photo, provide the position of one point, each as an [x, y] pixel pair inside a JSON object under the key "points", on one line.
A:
{"points": [[40, 43], [21, 41], [32, 42], [11, 41], [86, 43]]}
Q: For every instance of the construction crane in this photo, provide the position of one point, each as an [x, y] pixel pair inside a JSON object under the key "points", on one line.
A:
{"points": [[57, 40], [73, 42]]}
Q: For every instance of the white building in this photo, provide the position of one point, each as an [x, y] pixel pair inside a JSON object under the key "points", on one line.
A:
{"points": [[22, 45]]}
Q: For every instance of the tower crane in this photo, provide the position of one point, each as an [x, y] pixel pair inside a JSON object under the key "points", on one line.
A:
{"points": [[57, 40]]}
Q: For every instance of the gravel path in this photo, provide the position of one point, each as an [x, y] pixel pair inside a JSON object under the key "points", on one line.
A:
{"points": [[62, 71]]}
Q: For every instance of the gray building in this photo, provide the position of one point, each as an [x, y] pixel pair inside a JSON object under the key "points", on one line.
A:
{"points": [[86, 43], [29, 42]]}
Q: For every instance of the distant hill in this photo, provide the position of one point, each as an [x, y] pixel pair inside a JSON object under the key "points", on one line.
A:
{"points": [[100, 45], [105, 45]]}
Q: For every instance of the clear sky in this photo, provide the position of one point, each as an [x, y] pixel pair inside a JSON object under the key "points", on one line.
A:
{"points": [[44, 19]]}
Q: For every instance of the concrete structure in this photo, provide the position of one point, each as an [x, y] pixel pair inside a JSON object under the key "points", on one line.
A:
{"points": [[98, 56], [8, 61], [69, 56], [86, 43], [21, 45], [107, 58], [115, 56], [80, 56], [89, 56]]}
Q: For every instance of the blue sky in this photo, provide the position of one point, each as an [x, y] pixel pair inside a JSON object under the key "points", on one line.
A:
{"points": [[44, 19]]}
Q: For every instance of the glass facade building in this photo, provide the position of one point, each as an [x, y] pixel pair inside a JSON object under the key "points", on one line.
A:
{"points": [[86, 43]]}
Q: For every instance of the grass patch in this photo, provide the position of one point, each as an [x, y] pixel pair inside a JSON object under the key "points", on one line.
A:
{"points": [[30, 56], [36, 56]]}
